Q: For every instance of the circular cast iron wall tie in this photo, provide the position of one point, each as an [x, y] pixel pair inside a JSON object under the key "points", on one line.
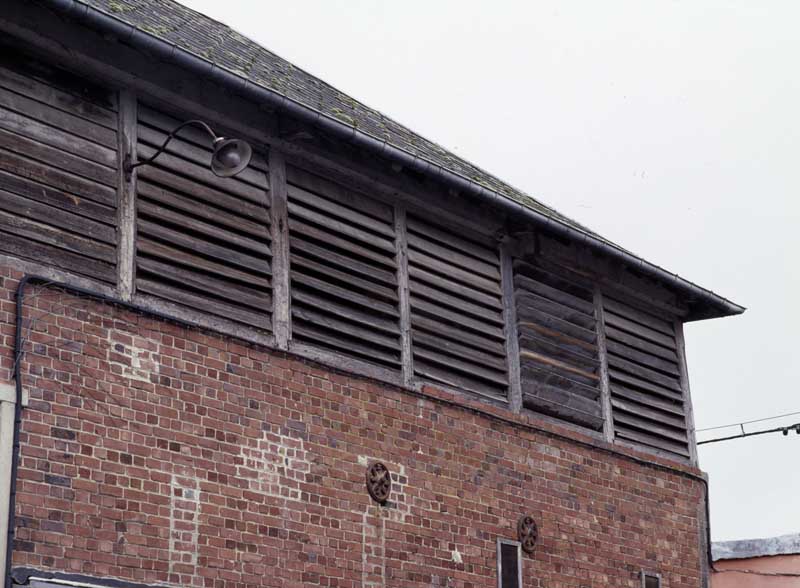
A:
{"points": [[379, 482], [527, 532]]}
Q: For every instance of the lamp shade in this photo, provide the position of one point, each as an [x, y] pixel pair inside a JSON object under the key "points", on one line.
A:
{"points": [[230, 156]]}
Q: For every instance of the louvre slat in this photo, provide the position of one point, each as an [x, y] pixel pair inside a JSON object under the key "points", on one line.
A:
{"points": [[202, 241], [457, 318], [645, 380], [343, 270], [58, 172], [559, 361]]}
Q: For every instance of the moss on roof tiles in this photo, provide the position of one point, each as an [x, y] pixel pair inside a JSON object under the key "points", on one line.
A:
{"points": [[229, 50]]}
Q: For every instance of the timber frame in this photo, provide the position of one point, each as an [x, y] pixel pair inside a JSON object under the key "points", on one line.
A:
{"points": [[613, 321]]}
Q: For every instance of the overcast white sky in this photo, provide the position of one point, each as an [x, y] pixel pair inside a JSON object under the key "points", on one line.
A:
{"points": [[671, 128]]}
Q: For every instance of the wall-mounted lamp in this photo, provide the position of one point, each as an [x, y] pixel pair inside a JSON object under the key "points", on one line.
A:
{"points": [[230, 155]]}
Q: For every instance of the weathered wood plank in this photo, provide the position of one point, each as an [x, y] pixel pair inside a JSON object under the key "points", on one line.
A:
{"points": [[591, 378], [564, 413], [687, 396], [204, 303], [343, 262], [57, 98], [482, 249], [646, 359], [332, 241], [403, 294], [532, 317], [675, 406], [453, 273], [456, 319], [434, 326], [59, 119], [225, 271], [635, 369], [650, 427], [558, 296], [341, 228], [55, 178], [33, 129], [203, 174], [343, 213], [60, 219], [634, 382], [224, 254], [532, 373], [447, 347], [162, 214], [346, 345], [577, 287], [57, 198], [554, 351], [435, 373], [602, 355], [642, 345], [347, 295], [467, 368], [436, 296], [444, 284], [572, 344], [211, 214], [57, 158], [453, 256], [310, 300], [335, 324], [652, 441], [126, 197], [533, 301], [318, 185], [636, 315], [648, 412], [344, 279], [230, 291], [26, 248], [42, 233], [180, 185], [640, 330], [279, 220]]}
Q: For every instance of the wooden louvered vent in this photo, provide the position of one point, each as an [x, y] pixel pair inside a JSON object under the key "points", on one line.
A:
{"points": [[645, 379], [557, 330], [202, 241], [456, 309], [343, 270], [58, 168]]}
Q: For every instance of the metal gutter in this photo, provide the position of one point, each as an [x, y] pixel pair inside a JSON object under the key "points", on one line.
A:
{"points": [[169, 52]]}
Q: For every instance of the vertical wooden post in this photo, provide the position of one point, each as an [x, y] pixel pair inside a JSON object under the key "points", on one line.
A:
{"points": [[281, 297], [510, 329], [126, 195], [403, 293], [602, 355], [688, 410]]}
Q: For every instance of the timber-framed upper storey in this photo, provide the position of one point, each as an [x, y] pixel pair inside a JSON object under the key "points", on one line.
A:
{"points": [[324, 247]]}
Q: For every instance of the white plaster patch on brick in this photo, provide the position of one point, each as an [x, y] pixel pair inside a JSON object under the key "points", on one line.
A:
{"points": [[141, 356], [277, 466], [184, 530], [456, 556], [373, 548]]}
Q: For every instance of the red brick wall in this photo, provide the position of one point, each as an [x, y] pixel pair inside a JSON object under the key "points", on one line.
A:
{"points": [[165, 455]]}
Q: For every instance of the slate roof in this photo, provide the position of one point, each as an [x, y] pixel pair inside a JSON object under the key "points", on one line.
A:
{"points": [[747, 548], [224, 47]]}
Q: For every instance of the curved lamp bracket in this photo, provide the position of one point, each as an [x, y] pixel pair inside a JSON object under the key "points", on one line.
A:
{"points": [[230, 156]]}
